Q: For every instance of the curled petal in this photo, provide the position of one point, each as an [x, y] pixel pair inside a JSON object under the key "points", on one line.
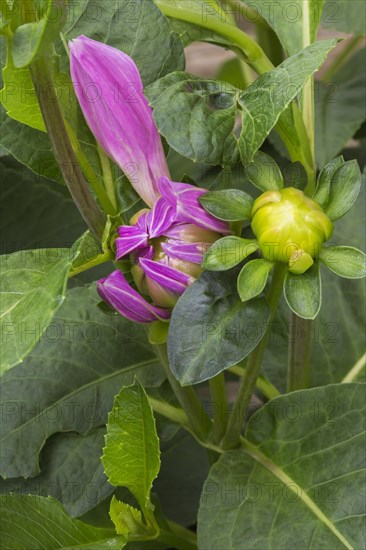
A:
{"points": [[171, 279], [190, 252], [160, 218], [116, 291], [184, 198], [110, 92], [131, 238]]}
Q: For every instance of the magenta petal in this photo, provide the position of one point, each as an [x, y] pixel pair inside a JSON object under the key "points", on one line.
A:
{"points": [[189, 209], [160, 218], [191, 252], [110, 92], [184, 198], [116, 291], [170, 189], [131, 238], [167, 277]]}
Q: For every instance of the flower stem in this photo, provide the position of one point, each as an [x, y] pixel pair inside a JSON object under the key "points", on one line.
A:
{"points": [[89, 172], [169, 411], [298, 353], [254, 363], [62, 149], [178, 537], [107, 176], [263, 385], [219, 407], [187, 397]]}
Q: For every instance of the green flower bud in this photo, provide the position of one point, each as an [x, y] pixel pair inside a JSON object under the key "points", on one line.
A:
{"points": [[290, 228]]}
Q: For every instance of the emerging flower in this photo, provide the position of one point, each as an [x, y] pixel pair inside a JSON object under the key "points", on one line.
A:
{"points": [[291, 232], [168, 242], [290, 228]]}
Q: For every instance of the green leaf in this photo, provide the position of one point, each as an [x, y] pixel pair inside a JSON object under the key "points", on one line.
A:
{"points": [[295, 23], [146, 36], [30, 147], [33, 522], [184, 468], [289, 472], [345, 261], [198, 117], [344, 189], [303, 292], [131, 457], [228, 252], [33, 288], [325, 179], [253, 278], [69, 380], [264, 172], [30, 40], [190, 32], [295, 175], [35, 212], [340, 107], [79, 484], [19, 98], [276, 90], [127, 519], [211, 329], [229, 204], [345, 16]]}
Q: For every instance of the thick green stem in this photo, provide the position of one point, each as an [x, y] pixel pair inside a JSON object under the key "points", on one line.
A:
{"points": [[219, 407], [169, 411], [89, 172], [187, 397], [62, 148], [254, 363], [263, 385], [181, 538], [298, 353], [233, 8], [107, 176]]}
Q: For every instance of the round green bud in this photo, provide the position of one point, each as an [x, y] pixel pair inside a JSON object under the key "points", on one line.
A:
{"points": [[290, 228]]}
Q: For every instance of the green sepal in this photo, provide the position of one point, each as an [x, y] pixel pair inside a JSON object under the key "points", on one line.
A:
{"points": [[321, 195], [294, 175], [303, 292], [344, 189], [345, 261], [228, 252], [264, 173], [229, 205], [158, 332], [106, 308], [253, 278]]}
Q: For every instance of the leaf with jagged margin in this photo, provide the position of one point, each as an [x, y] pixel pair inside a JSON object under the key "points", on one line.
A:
{"points": [[303, 464], [32, 522], [70, 379]]}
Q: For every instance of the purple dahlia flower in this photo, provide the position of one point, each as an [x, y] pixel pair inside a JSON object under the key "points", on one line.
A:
{"points": [[166, 243]]}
